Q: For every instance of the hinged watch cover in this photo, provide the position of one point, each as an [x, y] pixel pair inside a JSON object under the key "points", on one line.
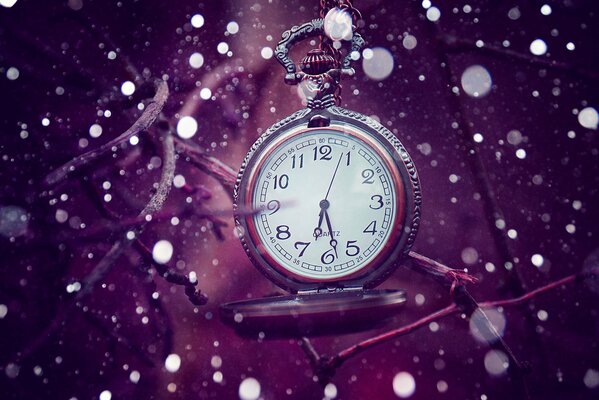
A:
{"points": [[328, 305]]}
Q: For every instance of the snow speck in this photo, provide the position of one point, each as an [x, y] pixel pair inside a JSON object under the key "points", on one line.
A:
{"points": [[266, 53], [433, 14], [546, 9], [128, 88], [179, 181], [134, 376], [409, 42], [216, 361], [478, 138], [404, 385], [514, 13], [196, 60], [542, 315], [570, 46], [95, 130], [591, 379], [514, 137], [45, 122], [197, 21], [172, 362], [426, 4], [249, 389], [134, 140], [75, 5], [12, 74], [588, 118], [469, 256], [105, 395], [13, 221], [12, 370], [187, 127], [496, 362], [162, 252], [73, 287], [537, 260], [3, 311], [7, 3], [232, 27], [476, 81], [205, 94], [538, 47], [442, 386], [377, 63], [330, 391], [222, 48]]}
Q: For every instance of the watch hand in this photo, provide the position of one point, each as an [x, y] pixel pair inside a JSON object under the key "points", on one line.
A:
{"points": [[333, 178], [332, 242], [318, 230]]}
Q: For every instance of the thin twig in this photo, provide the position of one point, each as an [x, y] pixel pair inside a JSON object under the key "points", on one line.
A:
{"points": [[105, 265], [212, 166], [455, 44], [146, 119], [328, 365], [445, 275], [164, 326], [172, 276], [120, 339], [492, 210]]}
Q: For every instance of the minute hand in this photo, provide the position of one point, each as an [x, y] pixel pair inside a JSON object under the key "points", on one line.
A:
{"points": [[333, 178]]}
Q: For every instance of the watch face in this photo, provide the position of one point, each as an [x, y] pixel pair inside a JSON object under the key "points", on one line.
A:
{"points": [[331, 201]]}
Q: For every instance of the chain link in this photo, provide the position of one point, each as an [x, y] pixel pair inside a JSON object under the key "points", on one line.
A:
{"points": [[326, 44]]}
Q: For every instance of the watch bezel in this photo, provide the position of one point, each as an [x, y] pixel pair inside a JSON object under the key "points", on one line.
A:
{"points": [[404, 176]]}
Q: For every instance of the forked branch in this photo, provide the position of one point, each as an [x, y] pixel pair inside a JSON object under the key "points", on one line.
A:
{"points": [[147, 118], [325, 367]]}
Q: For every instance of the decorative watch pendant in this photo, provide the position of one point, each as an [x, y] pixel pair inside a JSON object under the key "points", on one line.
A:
{"points": [[337, 202]]}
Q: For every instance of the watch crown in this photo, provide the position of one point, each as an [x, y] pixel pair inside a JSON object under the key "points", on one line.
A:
{"points": [[317, 62]]}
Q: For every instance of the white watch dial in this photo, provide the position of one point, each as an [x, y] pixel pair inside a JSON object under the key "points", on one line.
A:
{"points": [[329, 201]]}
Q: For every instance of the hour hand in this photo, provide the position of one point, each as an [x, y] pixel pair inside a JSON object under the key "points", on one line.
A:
{"points": [[332, 242], [318, 229]]}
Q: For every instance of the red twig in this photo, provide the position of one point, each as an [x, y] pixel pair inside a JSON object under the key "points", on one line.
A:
{"points": [[325, 366], [533, 293], [442, 273]]}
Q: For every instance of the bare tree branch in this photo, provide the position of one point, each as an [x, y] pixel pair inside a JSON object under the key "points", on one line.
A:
{"points": [[105, 265], [171, 275], [454, 44], [325, 367], [146, 119], [212, 166], [442, 273]]}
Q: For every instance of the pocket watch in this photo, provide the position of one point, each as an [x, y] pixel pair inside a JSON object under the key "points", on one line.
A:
{"points": [[327, 203]]}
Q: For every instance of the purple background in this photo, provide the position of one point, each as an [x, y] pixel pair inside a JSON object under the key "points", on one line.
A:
{"points": [[54, 46]]}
